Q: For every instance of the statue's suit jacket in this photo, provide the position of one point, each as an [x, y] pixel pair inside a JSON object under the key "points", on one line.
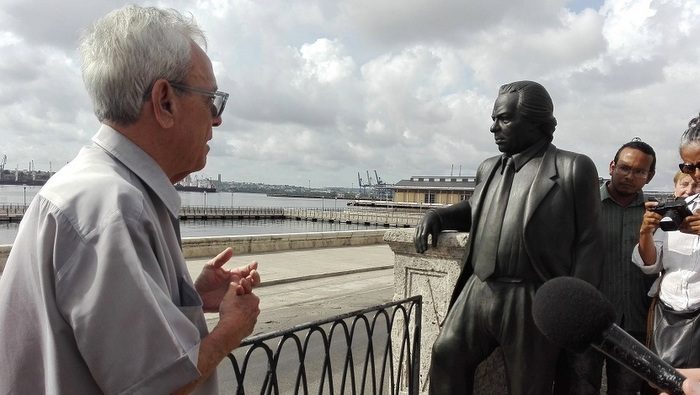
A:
{"points": [[561, 231]]}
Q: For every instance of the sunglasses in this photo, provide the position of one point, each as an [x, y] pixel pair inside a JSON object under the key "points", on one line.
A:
{"points": [[689, 168]]}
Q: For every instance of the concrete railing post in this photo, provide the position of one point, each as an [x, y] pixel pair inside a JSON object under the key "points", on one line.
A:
{"points": [[433, 274]]}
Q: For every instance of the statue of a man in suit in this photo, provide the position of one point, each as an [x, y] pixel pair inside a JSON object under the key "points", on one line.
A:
{"points": [[534, 215]]}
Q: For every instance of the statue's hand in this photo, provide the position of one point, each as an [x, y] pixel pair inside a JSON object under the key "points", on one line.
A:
{"points": [[429, 225]]}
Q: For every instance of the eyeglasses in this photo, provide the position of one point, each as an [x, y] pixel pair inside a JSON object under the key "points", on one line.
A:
{"points": [[688, 168], [218, 98], [626, 170]]}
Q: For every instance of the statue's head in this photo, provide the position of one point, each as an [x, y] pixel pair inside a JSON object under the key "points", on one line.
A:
{"points": [[523, 115], [534, 104]]}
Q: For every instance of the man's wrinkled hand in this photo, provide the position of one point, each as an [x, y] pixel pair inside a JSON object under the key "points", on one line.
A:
{"points": [[213, 283]]}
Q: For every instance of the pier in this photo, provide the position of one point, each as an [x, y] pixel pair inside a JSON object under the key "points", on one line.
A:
{"points": [[386, 217], [12, 212]]}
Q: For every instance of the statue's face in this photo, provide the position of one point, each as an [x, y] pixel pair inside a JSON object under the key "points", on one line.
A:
{"points": [[512, 132]]}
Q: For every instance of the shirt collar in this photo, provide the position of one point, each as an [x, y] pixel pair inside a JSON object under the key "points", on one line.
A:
{"points": [[604, 194], [521, 158], [693, 201], [140, 163], [693, 198]]}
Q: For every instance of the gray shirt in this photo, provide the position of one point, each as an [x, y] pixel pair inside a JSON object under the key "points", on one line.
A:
{"points": [[95, 294]]}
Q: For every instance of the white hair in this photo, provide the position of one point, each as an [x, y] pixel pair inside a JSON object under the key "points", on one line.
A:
{"points": [[126, 51], [692, 134]]}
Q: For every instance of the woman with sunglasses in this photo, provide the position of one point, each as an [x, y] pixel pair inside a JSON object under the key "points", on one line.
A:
{"points": [[676, 336]]}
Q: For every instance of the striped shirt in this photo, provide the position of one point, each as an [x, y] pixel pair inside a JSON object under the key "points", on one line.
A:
{"points": [[622, 282]]}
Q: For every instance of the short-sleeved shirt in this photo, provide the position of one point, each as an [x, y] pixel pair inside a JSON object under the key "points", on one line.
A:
{"points": [[96, 296]]}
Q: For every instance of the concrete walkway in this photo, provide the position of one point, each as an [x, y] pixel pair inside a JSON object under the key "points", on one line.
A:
{"points": [[295, 265], [298, 265]]}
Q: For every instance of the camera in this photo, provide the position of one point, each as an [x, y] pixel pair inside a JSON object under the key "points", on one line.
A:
{"points": [[673, 213]]}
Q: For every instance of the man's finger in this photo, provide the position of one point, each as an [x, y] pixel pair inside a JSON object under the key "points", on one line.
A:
{"points": [[222, 258], [691, 387], [254, 278], [237, 288], [244, 271], [246, 285]]}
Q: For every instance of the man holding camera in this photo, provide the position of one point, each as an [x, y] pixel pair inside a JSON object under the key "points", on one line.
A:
{"points": [[675, 250], [622, 202]]}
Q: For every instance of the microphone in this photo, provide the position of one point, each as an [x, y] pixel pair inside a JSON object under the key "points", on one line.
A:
{"points": [[573, 314]]}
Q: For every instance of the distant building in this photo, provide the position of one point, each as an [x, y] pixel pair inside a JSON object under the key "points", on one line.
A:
{"points": [[658, 195], [434, 189], [442, 190]]}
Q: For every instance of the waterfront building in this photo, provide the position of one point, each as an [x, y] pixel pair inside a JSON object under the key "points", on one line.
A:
{"points": [[434, 189]]}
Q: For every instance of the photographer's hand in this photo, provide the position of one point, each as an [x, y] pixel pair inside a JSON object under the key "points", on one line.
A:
{"points": [[651, 219], [691, 223], [650, 222]]}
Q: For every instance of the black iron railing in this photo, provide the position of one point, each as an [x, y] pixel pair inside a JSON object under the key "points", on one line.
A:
{"points": [[370, 351]]}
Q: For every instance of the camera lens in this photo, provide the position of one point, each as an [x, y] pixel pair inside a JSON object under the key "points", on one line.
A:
{"points": [[671, 221]]}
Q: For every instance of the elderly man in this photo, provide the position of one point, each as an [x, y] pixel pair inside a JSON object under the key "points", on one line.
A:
{"points": [[534, 215], [96, 296]]}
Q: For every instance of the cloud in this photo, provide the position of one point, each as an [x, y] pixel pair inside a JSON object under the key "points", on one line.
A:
{"points": [[47, 22], [323, 89]]}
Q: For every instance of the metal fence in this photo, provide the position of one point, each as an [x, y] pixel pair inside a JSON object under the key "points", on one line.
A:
{"points": [[370, 351], [364, 215]]}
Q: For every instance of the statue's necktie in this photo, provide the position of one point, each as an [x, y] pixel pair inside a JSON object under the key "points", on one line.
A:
{"points": [[489, 231]]}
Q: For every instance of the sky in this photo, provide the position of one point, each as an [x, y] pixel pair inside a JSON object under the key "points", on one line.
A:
{"points": [[322, 90]]}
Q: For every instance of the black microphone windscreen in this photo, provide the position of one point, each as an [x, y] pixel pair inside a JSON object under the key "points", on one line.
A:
{"points": [[571, 313]]}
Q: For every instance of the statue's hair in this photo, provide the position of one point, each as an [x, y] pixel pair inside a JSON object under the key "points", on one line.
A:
{"points": [[692, 134], [534, 104], [126, 51]]}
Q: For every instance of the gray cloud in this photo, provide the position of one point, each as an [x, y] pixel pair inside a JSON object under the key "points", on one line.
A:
{"points": [[323, 89], [55, 23]]}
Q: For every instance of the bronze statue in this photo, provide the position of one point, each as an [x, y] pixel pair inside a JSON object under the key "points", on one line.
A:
{"points": [[534, 215]]}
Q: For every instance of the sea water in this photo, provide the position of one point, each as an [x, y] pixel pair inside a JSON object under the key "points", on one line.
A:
{"points": [[21, 195]]}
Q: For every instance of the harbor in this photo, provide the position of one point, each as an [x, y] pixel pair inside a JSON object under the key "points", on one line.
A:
{"points": [[234, 213], [219, 221]]}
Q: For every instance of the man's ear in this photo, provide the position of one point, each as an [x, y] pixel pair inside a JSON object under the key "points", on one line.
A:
{"points": [[163, 103], [650, 176], [611, 167]]}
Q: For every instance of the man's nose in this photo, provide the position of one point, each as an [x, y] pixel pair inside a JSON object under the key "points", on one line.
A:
{"points": [[216, 121], [494, 127]]}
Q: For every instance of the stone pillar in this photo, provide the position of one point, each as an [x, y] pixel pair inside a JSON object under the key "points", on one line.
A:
{"points": [[433, 275]]}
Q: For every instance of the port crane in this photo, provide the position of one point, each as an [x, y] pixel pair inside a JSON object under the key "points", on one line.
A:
{"points": [[378, 187], [362, 184], [377, 179]]}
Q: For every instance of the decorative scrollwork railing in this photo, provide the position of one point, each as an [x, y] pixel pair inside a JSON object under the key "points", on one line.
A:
{"points": [[370, 351]]}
